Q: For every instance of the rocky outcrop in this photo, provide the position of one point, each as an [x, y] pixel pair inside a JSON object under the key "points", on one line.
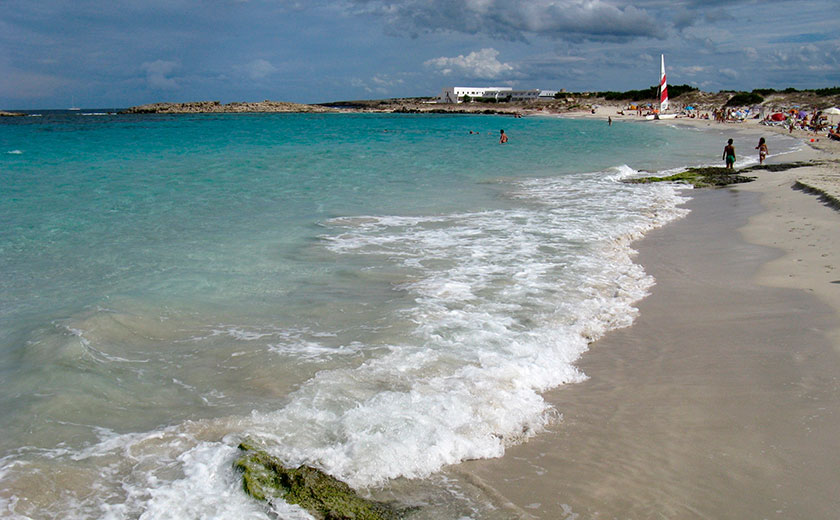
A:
{"points": [[265, 478], [717, 176], [699, 177], [10, 114], [204, 107]]}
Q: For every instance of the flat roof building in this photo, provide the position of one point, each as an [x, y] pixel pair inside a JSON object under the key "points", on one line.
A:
{"points": [[457, 94]]}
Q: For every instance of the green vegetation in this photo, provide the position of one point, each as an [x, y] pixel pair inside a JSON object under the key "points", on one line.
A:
{"points": [[829, 91], [264, 477], [744, 98], [639, 95]]}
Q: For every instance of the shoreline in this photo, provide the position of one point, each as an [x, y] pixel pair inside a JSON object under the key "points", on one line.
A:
{"points": [[720, 400], [822, 179]]}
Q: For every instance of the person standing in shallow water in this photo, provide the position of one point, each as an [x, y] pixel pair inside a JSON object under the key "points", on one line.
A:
{"points": [[729, 155], [762, 150], [502, 137]]}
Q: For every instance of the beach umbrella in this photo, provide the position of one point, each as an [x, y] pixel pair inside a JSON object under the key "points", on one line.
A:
{"points": [[833, 114]]}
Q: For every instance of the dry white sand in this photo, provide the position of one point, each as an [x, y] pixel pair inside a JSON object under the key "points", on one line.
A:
{"points": [[723, 399]]}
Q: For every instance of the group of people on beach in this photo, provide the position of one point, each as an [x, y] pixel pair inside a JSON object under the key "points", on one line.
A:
{"points": [[729, 153]]}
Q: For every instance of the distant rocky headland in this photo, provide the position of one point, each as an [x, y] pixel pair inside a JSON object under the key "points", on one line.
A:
{"points": [[562, 103], [398, 105], [10, 114], [210, 107]]}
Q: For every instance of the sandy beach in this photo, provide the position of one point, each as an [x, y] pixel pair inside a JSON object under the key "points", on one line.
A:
{"points": [[722, 400]]}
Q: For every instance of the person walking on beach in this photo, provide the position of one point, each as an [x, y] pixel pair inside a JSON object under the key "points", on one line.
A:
{"points": [[729, 155], [762, 150], [502, 137]]}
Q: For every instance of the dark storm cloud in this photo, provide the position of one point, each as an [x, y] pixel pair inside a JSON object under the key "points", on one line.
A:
{"points": [[516, 20]]}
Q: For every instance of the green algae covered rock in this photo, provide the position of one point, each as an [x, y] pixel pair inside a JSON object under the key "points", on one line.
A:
{"points": [[264, 478], [716, 176], [699, 177]]}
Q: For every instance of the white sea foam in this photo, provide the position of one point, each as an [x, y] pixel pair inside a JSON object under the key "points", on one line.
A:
{"points": [[506, 301], [15, 152], [241, 334], [296, 343]]}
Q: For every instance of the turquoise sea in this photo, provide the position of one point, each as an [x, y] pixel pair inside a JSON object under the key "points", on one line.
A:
{"points": [[380, 296]]}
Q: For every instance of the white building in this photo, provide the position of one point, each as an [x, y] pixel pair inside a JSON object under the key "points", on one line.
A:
{"points": [[457, 94], [524, 95]]}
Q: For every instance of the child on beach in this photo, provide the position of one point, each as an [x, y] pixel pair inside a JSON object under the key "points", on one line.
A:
{"points": [[762, 150], [729, 155]]}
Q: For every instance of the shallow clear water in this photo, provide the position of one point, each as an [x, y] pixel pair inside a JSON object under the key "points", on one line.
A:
{"points": [[378, 295]]}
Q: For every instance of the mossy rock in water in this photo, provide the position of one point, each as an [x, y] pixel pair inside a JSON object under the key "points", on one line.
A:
{"points": [[699, 177], [264, 478]]}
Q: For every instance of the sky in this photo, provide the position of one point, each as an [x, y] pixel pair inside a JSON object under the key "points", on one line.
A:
{"points": [[120, 53]]}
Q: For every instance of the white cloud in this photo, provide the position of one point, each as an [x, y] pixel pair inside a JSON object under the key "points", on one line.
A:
{"points": [[692, 70], [385, 80], [259, 69], [379, 84], [156, 74], [729, 73], [481, 64]]}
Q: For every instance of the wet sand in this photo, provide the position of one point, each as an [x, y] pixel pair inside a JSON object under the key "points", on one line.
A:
{"points": [[723, 399]]}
